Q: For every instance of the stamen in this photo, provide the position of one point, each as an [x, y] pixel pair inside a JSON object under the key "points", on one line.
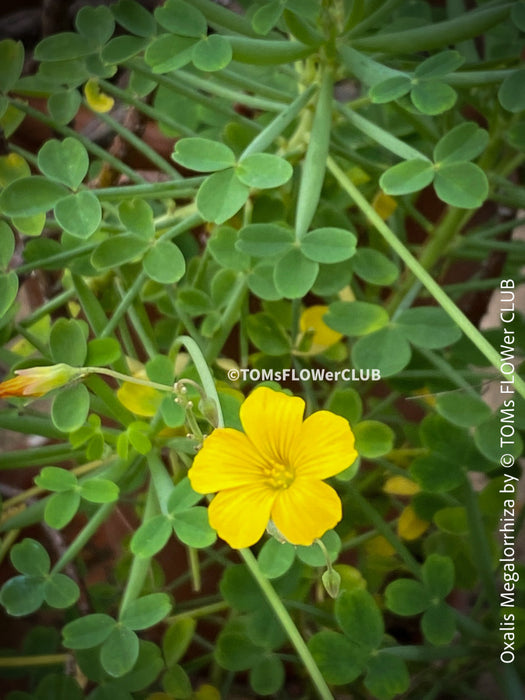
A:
{"points": [[280, 476]]}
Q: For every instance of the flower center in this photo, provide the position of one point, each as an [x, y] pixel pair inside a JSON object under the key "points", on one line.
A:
{"points": [[279, 476]]}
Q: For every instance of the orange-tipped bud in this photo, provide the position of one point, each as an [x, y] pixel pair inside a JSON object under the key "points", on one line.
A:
{"points": [[37, 381]]}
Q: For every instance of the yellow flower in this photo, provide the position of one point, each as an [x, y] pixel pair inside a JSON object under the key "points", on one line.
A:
{"points": [[274, 470], [140, 400], [384, 205], [410, 526], [96, 99], [37, 381], [401, 486], [312, 322]]}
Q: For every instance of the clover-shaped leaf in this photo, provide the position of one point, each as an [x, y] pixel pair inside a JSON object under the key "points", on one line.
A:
{"points": [[24, 594], [343, 657], [462, 143], [203, 155], [64, 503], [264, 240], [189, 523], [439, 65], [146, 611], [181, 18], [409, 597], [30, 558], [263, 170]]}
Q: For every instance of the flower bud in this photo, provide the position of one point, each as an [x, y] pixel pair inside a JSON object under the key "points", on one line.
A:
{"points": [[331, 582], [37, 381]]}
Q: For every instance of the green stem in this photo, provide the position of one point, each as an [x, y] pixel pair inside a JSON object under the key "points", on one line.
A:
{"points": [[48, 307], [375, 18], [419, 271], [155, 190], [107, 395], [233, 95], [40, 660], [364, 68], [7, 541], [162, 481], [91, 306], [229, 318], [234, 77], [203, 611], [384, 138], [279, 124], [223, 18], [267, 52], [427, 654], [139, 144], [128, 379], [512, 682], [208, 383], [314, 166], [384, 529], [90, 146], [83, 536], [435, 34], [174, 83], [58, 260], [475, 78], [29, 424], [288, 625], [124, 304], [181, 227], [136, 313], [140, 565], [193, 557], [32, 339], [447, 370], [160, 117], [480, 544], [35, 456]]}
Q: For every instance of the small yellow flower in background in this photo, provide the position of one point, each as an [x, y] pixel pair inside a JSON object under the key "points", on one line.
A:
{"points": [[37, 381], [140, 400], [96, 99], [357, 175], [274, 470], [401, 486], [311, 321], [384, 205], [410, 526], [379, 546]]}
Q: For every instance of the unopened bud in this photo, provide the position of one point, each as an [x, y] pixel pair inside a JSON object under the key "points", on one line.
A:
{"points": [[208, 409], [331, 582]]}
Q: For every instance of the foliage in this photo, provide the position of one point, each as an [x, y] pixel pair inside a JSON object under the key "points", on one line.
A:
{"points": [[335, 209]]}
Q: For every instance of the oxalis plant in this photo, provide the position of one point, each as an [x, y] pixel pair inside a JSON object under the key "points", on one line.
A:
{"points": [[257, 439]]}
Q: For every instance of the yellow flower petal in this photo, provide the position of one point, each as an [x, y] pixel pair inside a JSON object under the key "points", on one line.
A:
{"points": [[410, 526], [240, 515], [141, 400], [272, 421], [379, 546], [384, 205], [401, 486], [226, 460], [306, 510], [312, 320], [96, 99], [324, 446]]}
